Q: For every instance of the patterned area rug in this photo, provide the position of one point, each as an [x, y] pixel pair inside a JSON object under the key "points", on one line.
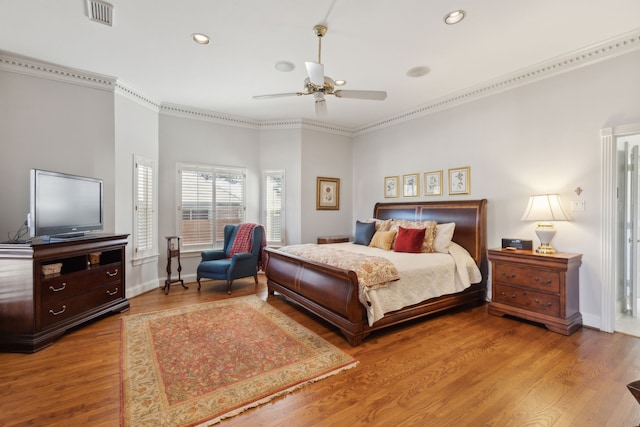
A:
{"points": [[199, 364]]}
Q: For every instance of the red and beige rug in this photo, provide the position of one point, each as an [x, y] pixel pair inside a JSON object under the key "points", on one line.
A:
{"points": [[199, 364]]}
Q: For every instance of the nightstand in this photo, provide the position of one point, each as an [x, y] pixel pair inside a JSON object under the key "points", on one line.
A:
{"points": [[332, 239], [539, 288]]}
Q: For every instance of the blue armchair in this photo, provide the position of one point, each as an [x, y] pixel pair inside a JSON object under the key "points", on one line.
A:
{"points": [[229, 264]]}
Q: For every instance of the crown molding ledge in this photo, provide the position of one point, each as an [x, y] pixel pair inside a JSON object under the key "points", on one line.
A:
{"points": [[210, 116], [599, 52], [36, 68], [135, 96]]}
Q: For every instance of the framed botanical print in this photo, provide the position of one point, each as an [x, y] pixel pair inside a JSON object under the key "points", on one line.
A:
{"points": [[391, 184], [410, 185], [459, 180], [328, 193], [433, 183]]}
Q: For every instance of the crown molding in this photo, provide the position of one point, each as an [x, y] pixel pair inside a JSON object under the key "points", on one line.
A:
{"points": [[214, 117], [32, 67], [132, 94], [210, 116], [596, 53]]}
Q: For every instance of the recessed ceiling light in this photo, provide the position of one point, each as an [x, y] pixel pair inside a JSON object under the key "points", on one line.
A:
{"points": [[340, 82], [200, 38], [418, 71], [454, 17], [285, 66]]}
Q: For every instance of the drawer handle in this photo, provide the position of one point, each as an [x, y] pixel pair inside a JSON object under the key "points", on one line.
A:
{"points": [[112, 293], [57, 313], [548, 304], [508, 276], [64, 285], [110, 274], [539, 280], [505, 295]]}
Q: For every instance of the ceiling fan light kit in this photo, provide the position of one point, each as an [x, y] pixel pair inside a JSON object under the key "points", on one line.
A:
{"points": [[319, 85]]}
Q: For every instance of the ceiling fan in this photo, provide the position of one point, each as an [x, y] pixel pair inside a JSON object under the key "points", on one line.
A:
{"points": [[319, 85]]}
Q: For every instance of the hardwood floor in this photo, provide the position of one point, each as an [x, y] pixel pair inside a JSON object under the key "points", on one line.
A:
{"points": [[459, 369]]}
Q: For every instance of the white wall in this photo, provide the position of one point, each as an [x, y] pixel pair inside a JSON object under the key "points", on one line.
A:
{"points": [[136, 133], [282, 149], [331, 156], [539, 138], [188, 140], [57, 126]]}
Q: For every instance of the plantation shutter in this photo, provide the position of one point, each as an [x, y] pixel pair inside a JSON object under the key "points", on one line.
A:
{"points": [[206, 208], [196, 205], [143, 236], [274, 206], [230, 200]]}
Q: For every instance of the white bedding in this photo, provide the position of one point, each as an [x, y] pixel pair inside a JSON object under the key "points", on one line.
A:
{"points": [[422, 276]]}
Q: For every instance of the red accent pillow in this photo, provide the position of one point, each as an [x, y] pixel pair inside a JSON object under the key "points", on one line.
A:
{"points": [[409, 240]]}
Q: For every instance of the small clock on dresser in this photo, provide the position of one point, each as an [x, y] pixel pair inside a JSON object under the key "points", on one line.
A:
{"points": [[539, 288]]}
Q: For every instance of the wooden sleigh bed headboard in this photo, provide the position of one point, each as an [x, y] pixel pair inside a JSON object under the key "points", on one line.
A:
{"points": [[332, 293], [468, 215]]}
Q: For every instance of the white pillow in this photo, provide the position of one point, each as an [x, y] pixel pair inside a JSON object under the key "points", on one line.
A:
{"points": [[444, 234]]}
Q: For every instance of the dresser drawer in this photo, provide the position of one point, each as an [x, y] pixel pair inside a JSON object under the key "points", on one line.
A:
{"points": [[538, 302], [57, 310], [529, 277], [67, 285]]}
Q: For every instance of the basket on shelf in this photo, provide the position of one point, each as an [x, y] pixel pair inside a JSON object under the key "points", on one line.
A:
{"points": [[51, 269]]}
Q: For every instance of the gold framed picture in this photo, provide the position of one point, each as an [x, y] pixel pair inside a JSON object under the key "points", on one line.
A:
{"points": [[411, 185], [391, 184], [433, 183], [460, 180], [328, 193]]}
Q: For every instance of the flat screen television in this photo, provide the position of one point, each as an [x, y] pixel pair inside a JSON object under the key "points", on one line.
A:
{"points": [[64, 205]]}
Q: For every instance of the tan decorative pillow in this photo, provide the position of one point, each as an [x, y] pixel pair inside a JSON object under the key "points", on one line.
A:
{"points": [[383, 240], [429, 235], [381, 224], [444, 234]]}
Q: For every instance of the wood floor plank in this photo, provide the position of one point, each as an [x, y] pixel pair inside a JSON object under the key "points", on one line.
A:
{"points": [[464, 368]]}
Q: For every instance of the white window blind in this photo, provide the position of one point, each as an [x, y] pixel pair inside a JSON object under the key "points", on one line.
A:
{"points": [[274, 206], [144, 200], [230, 200], [210, 197]]}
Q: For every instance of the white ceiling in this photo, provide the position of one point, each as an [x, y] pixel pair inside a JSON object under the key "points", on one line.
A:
{"points": [[370, 43]]}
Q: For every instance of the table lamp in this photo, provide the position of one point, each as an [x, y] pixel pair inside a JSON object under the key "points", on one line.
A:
{"points": [[545, 208]]}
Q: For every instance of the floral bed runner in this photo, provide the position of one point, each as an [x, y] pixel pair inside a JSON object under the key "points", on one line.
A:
{"points": [[373, 271]]}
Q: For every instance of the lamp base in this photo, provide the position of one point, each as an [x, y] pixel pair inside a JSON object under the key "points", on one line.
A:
{"points": [[545, 249], [545, 233]]}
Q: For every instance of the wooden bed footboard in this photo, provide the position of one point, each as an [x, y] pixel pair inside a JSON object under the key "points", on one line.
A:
{"points": [[332, 293]]}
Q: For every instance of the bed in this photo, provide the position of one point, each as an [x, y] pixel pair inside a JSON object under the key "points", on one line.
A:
{"points": [[332, 293]]}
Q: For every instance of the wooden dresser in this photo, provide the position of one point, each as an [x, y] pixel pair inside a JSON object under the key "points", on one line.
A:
{"points": [[37, 308], [539, 288]]}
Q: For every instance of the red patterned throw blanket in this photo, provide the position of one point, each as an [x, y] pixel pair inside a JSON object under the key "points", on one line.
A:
{"points": [[243, 242], [373, 272]]}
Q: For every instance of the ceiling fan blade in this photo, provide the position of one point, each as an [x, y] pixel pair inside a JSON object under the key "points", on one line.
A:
{"points": [[374, 95], [278, 95], [315, 72], [321, 105]]}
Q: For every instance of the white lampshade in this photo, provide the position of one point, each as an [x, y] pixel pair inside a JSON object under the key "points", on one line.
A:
{"points": [[545, 208]]}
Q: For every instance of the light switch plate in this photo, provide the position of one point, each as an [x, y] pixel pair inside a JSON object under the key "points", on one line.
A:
{"points": [[577, 205]]}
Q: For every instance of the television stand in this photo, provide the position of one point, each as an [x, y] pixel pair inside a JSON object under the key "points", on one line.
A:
{"points": [[49, 288], [65, 237]]}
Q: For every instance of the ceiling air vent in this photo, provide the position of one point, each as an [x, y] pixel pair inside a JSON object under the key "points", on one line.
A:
{"points": [[100, 11]]}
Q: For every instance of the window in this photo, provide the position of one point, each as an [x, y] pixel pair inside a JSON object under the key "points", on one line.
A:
{"points": [[209, 198], [274, 206], [144, 208]]}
